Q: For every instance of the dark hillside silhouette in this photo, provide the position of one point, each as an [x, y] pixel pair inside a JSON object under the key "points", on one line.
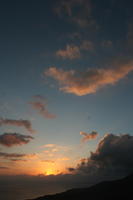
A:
{"points": [[116, 189]]}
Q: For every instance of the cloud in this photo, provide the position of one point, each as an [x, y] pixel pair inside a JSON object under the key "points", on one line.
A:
{"points": [[78, 12], [12, 139], [16, 156], [49, 146], [40, 105], [55, 148], [74, 51], [87, 45], [20, 123], [3, 167], [11, 155], [71, 52], [66, 6], [48, 161], [113, 157], [18, 160], [88, 136], [89, 81]]}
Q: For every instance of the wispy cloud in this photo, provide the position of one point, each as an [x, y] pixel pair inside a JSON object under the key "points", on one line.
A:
{"points": [[40, 104], [78, 12], [88, 136], [88, 81], [3, 167], [20, 123], [18, 160], [48, 161], [74, 51], [16, 156], [11, 155], [49, 146], [12, 139], [53, 148], [71, 52]]}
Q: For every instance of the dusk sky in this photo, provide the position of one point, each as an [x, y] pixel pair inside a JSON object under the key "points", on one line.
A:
{"points": [[66, 82]]}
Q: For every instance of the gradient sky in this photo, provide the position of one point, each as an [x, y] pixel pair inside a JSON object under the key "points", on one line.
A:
{"points": [[50, 49]]}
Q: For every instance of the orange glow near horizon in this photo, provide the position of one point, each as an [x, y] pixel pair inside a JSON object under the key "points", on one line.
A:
{"points": [[50, 171]]}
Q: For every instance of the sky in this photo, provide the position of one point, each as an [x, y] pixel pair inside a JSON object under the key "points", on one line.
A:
{"points": [[66, 82]]}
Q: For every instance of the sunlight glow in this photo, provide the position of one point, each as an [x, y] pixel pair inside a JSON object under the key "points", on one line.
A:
{"points": [[50, 171]]}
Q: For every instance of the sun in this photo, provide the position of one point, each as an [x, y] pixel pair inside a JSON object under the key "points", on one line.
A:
{"points": [[50, 171]]}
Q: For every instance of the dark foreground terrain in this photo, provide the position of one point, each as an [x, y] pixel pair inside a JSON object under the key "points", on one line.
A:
{"points": [[117, 189]]}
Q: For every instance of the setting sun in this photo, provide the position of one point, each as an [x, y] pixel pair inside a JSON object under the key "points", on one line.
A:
{"points": [[50, 171]]}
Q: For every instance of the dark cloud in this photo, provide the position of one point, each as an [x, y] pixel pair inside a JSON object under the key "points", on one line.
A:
{"points": [[40, 104], [11, 155], [12, 139], [20, 123], [71, 169], [3, 167], [18, 160], [113, 157]]}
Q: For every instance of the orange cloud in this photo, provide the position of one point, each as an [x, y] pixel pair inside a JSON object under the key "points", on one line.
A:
{"points": [[20, 123], [71, 52], [12, 139], [88, 136], [89, 81]]}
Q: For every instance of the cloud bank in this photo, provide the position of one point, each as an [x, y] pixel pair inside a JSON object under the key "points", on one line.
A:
{"points": [[13, 139], [89, 81]]}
